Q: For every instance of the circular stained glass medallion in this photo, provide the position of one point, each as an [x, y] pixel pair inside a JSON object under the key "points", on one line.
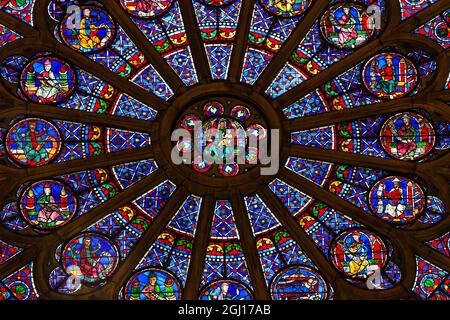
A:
{"points": [[47, 80], [407, 136], [357, 253], [390, 75], [93, 255], [347, 26], [33, 142], [153, 284], [93, 32], [397, 199], [48, 204]]}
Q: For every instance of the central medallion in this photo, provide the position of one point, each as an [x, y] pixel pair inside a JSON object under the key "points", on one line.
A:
{"points": [[221, 136]]}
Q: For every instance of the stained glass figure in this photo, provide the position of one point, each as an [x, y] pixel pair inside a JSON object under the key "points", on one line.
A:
{"points": [[33, 142], [286, 8], [390, 75], [407, 136], [397, 199], [226, 290], [347, 26], [146, 8], [222, 140], [298, 283], [48, 204], [95, 31], [357, 253], [93, 256], [153, 284], [47, 80]]}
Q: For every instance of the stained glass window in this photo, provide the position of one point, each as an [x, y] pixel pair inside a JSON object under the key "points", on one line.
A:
{"points": [[351, 97]]}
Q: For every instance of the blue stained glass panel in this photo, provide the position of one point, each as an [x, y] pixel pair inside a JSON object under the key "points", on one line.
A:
{"points": [[261, 218], [224, 226], [219, 59]]}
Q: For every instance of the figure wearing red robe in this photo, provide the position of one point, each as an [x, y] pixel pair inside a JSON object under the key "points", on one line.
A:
{"points": [[146, 6], [387, 82], [90, 265], [394, 195]]}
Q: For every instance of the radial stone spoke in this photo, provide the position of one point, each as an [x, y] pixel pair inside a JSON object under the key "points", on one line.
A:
{"points": [[334, 201], [431, 97], [330, 73], [338, 116], [298, 234], [18, 261], [144, 45], [301, 30], [431, 255], [341, 157], [249, 245], [201, 241], [20, 176], [114, 79], [18, 26], [105, 160], [149, 237], [195, 40], [53, 112], [423, 17], [237, 56], [121, 199]]}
